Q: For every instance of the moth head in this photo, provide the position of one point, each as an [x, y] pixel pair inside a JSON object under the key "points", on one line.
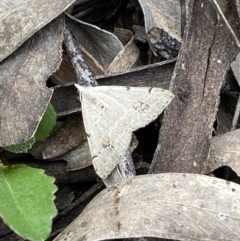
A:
{"points": [[84, 92], [80, 90]]}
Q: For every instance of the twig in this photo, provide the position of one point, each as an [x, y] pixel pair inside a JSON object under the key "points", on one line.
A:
{"points": [[84, 76]]}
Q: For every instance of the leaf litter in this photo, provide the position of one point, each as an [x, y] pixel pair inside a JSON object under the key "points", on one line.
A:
{"points": [[206, 207]]}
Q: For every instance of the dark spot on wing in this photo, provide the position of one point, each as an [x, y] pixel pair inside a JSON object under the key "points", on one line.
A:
{"points": [[150, 89]]}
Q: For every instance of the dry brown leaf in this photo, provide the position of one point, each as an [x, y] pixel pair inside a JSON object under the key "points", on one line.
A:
{"points": [[165, 15], [224, 151], [128, 56], [100, 44], [94, 66], [78, 158], [23, 92], [65, 74], [21, 19], [178, 206], [70, 135]]}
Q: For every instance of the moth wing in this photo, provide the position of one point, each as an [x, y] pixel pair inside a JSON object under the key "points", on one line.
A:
{"points": [[112, 113]]}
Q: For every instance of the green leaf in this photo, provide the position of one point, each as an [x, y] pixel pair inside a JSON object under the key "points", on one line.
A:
{"points": [[21, 148], [47, 123], [26, 201]]}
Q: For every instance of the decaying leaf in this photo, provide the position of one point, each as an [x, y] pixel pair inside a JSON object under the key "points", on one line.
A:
{"points": [[102, 45], [21, 19], [165, 15], [65, 74], [128, 56], [178, 206], [70, 135], [224, 151], [23, 92], [78, 158]]}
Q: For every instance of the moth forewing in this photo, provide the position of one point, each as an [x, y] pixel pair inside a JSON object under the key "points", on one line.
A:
{"points": [[112, 113]]}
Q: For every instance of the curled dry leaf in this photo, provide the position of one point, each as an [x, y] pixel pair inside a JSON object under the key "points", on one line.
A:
{"points": [[178, 206], [224, 151], [128, 56], [101, 44], [23, 83], [21, 19], [66, 73], [70, 135], [165, 15], [78, 158]]}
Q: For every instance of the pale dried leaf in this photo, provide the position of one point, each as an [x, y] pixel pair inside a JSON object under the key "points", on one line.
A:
{"points": [[101, 44], [165, 15], [23, 92], [224, 151], [178, 206], [21, 19], [70, 135], [128, 56]]}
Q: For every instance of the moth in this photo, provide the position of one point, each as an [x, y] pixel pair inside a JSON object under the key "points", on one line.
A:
{"points": [[111, 114]]}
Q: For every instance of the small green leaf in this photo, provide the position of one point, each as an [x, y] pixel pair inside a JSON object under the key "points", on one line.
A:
{"points": [[21, 148], [26, 201], [47, 123]]}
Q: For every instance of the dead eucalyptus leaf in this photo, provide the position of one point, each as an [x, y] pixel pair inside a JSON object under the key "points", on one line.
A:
{"points": [[178, 206], [78, 158], [165, 15], [101, 44], [21, 19], [92, 63], [23, 92], [128, 56], [70, 135], [66, 73], [38, 147], [224, 151]]}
